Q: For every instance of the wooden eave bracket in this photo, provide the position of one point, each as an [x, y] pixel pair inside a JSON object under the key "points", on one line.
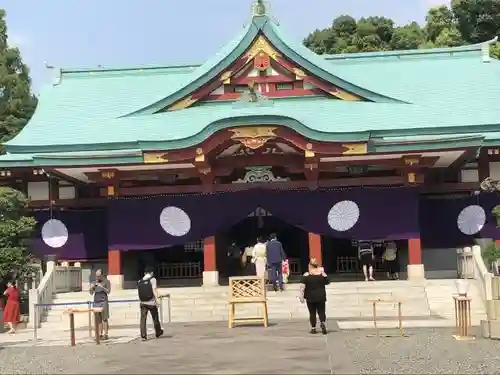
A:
{"points": [[311, 169], [111, 179], [205, 170]]}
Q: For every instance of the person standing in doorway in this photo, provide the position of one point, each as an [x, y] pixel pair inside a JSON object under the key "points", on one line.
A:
{"points": [[101, 288], [391, 261], [313, 292], [12, 311], [148, 301], [365, 254], [275, 258], [234, 256], [259, 257]]}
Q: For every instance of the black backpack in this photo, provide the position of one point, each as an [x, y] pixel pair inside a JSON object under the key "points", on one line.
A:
{"points": [[145, 289]]}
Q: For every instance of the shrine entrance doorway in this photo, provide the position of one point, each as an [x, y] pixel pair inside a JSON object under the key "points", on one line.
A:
{"points": [[262, 223]]}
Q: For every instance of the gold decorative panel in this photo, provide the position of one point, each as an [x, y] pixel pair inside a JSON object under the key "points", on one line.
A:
{"points": [[225, 77], [344, 95], [253, 137], [155, 157], [181, 104], [355, 149], [261, 44]]}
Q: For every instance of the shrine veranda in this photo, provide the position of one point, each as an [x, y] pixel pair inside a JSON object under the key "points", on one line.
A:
{"points": [[168, 165]]}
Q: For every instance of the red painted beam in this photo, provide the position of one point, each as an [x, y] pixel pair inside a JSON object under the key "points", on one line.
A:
{"points": [[270, 94], [345, 182]]}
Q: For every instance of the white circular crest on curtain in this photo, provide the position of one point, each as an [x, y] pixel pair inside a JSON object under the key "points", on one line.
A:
{"points": [[175, 221], [54, 233], [343, 215], [471, 219]]}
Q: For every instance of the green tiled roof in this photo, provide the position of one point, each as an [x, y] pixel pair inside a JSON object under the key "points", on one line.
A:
{"points": [[437, 92]]}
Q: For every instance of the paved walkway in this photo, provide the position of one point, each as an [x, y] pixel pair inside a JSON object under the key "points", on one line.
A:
{"points": [[282, 348]]}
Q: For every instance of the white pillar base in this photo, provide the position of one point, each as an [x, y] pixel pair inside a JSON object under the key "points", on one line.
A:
{"points": [[116, 282], [416, 272], [210, 278]]}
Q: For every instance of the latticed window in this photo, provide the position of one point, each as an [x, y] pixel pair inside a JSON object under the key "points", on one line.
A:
{"points": [[194, 247]]}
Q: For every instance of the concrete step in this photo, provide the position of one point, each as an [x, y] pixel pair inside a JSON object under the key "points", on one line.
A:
{"points": [[346, 300]]}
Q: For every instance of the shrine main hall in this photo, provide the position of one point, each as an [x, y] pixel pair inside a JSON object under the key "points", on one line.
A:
{"points": [[171, 165]]}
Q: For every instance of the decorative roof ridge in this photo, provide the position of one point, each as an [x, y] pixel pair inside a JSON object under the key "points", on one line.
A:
{"points": [[479, 47], [138, 68]]}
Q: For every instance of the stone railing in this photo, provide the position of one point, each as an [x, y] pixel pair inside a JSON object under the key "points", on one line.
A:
{"points": [[57, 279], [68, 279], [482, 274]]}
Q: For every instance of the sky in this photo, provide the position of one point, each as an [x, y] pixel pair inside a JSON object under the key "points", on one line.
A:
{"points": [[143, 32]]}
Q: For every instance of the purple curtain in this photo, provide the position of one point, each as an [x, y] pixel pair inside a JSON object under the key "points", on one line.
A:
{"points": [[87, 234], [384, 213], [439, 214]]}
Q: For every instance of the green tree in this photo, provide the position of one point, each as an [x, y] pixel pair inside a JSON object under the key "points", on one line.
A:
{"points": [[465, 22], [477, 20], [410, 36], [438, 19], [17, 103], [15, 231]]}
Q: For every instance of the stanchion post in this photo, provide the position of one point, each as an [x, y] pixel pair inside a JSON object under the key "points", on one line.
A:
{"points": [[96, 328], [35, 323], [161, 310], [169, 309], [89, 306], [72, 328]]}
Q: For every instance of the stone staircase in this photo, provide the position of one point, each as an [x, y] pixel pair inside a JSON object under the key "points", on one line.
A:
{"points": [[425, 304]]}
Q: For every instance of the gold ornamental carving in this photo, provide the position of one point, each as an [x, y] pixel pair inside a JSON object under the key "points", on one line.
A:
{"points": [[261, 44], [253, 137], [155, 157], [109, 175], [411, 160], [309, 154], [344, 95], [181, 104], [225, 77], [355, 149], [299, 74]]}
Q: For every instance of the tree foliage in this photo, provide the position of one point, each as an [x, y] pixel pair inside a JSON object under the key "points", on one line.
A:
{"points": [[15, 230], [463, 22], [17, 103]]}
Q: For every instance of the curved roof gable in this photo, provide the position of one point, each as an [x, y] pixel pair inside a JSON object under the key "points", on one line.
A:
{"points": [[260, 25]]}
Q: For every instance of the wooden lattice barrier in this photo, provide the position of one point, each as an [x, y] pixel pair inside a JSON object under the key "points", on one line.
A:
{"points": [[247, 290]]}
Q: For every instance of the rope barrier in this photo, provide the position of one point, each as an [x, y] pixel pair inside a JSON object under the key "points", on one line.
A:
{"points": [[89, 303]]}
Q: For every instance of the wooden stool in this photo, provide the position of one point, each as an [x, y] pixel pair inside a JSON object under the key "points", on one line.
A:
{"points": [[388, 301], [71, 312], [244, 290]]}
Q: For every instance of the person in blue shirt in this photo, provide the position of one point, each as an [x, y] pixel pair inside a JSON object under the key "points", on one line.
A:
{"points": [[275, 257]]}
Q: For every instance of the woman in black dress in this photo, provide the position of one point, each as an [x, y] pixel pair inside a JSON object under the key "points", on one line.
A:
{"points": [[313, 292]]}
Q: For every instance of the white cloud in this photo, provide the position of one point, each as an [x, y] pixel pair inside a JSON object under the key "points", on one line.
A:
{"points": [[18, 40]]}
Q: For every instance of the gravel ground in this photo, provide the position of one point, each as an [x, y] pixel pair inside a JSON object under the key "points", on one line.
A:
{"points": [[282, 348]]}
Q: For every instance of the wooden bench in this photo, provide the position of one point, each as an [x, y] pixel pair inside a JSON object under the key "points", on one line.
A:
{"points": [[72, 311], [393, 301], [247, 290]]}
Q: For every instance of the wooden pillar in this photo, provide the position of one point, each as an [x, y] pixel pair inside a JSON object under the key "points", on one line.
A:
{"points": [[415, 266], [414, 251], [315, 247], [483, 165], [210, 273], [115, 276]]}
